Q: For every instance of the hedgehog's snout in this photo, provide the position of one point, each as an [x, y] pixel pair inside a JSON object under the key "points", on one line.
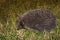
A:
{"points": [[20, 25]]}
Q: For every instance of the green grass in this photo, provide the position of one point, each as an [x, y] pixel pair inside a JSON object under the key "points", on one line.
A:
{"points": [[11, 9]]}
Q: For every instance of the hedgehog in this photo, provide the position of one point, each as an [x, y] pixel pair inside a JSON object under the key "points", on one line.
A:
{"points": [[38, 19]]}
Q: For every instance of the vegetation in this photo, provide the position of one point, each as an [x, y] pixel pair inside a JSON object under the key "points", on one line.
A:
{"points": [[11, 9]]}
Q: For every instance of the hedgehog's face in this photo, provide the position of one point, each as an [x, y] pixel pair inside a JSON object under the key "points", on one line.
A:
{"points": [[20, 25]]}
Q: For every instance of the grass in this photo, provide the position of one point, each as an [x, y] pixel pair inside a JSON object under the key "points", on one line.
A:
{"points": [[11, 9]]}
